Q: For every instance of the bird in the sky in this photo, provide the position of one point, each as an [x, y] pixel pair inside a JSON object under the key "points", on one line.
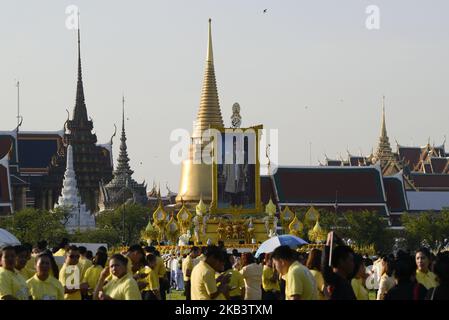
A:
{"points": [[265, 10]]}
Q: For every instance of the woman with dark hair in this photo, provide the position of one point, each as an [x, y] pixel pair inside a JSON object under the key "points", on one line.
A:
{"points": [[314, 265], [423, 274], [93, 273], [12, 284], [252, 273], [441, 268], [152, 290], [122, 286], [359, 277], [42, 285], [386, 277]]}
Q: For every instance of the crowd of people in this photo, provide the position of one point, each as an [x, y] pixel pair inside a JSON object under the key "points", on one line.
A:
{"points": [[207, 273]]}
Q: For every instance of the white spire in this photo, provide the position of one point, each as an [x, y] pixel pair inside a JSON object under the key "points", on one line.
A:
{"points": [[80, 217]]}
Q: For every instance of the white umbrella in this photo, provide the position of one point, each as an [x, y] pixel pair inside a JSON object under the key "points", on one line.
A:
{"points": [[7, 239], [274, 242]]}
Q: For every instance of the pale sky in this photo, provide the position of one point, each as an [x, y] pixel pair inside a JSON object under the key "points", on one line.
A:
{"points": [[317, 54]]}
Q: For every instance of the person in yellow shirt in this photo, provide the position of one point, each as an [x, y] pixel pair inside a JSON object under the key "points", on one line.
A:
{"points": [[152, 290], [357, 282], [83, 262], [203, 282], [236, 281], [299, 282], [423, 274], [122, 286], [12, 284], [70, 275], [314, 265], [270, 280], [93, 274], [187, 267], [161, 271], [21, 262], [63, 247], [42, 285]]}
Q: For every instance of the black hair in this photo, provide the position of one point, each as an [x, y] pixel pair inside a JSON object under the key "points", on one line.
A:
{"points": [[8, 248], [195, 249], [441, 268], [42, 245], [19, 249], [102, 249], [150, 249], [64, 242], [73, 248], [404, 269], [358, 261], [235, 252], [82, 250], [228, 264], [100, 259], [284, 253], [89, 254], [340, 253], [216, 252], [28, 247], [121, 258], [150, 258]]}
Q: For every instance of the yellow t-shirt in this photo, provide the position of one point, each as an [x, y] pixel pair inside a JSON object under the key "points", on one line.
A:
{"points": [[267, 284], [152, 279], [203, 283], [84, 265], [92, 275], [27, 273], [187, 264], [361, 293], [71, 277], [13, 284], [125, 288], [319, 280], [160, 267], [299, 281], [428, 280], [59, 253], [50, 289], [236, 281]]}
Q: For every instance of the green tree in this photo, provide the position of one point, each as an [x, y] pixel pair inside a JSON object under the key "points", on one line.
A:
{"points": [[32, 225], [136, 219], [429, 227], [366, 228], [99, 235]]}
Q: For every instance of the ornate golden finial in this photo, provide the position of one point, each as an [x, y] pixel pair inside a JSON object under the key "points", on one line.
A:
{"points": [[270, 208], [296, 227], [201, 208]]}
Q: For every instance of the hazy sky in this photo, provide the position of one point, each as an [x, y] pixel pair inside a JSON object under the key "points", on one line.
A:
{"points": [[317, 54]]}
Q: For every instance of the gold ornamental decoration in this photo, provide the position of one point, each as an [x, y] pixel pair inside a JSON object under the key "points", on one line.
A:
{"points": [[184, 218], [296, 227], [160, 221], [287, 216], [172, 230]]}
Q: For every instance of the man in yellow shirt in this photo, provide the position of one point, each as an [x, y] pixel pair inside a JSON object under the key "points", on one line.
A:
{"points": [[83, 262], [270, 280], [152, 290], [187, 267], [203, 281], [42, 286], [161, 270], [12, 284], [63, 247], [299, 282], [70, 275]]}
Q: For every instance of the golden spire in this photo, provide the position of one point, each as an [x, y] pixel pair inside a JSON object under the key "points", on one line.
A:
{"points": [[209, 113], [383, 131]]}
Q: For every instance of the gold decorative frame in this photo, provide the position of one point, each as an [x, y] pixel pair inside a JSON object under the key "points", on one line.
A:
{"points": [[258, 203]]}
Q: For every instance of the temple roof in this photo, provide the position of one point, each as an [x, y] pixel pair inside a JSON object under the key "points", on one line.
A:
{"points": [[5, 187], [396, 194], [430, 181], [327, 185]]}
